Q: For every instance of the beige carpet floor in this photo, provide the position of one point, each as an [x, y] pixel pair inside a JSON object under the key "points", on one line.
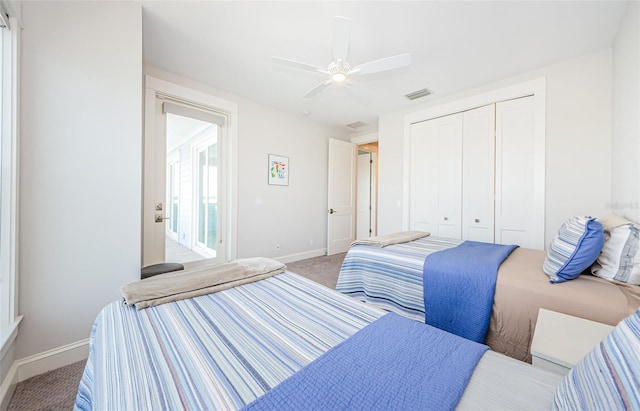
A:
{"points": [[52, 391], [56, 390]]}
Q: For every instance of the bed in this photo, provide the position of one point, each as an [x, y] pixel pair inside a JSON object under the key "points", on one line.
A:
{"points": [[225, 350], [391, 278]]}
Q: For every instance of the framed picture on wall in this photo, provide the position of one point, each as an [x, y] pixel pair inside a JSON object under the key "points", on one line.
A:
{"points": [[278, 170]]}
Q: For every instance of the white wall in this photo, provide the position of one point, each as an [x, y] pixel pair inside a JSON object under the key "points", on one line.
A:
{"points": [[80, 199], [293, 216], [390, 168], [625, 186], [578, 142]]}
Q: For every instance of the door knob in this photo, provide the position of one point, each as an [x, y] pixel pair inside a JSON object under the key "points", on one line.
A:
{"points": [[331, 211], [160, 218], [477, 220], [446, 218]]}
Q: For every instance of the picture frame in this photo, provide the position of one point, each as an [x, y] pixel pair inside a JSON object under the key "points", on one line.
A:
{"points": [[278, 170]]}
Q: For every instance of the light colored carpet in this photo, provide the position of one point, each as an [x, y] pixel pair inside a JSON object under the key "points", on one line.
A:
{"points": [[52, 391], [323, 269], [56, 390]]}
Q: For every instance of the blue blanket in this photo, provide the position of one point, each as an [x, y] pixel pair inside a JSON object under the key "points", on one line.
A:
{"points": [[459, 284], [393, 363]]}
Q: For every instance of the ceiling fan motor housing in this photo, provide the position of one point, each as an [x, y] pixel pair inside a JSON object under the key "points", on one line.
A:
{"points": [[338, 66]]}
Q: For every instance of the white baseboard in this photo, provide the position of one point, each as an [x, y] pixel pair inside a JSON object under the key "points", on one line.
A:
{"points": [[53, 359], [301, 256], [8, 387], [37, 364]]}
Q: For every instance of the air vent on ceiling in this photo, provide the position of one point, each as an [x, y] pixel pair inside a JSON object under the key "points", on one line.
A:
{"points": [[417, 94], [356, 125]]}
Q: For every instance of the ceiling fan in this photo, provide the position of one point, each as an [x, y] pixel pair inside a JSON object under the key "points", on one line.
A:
{"points": [[339, 70]]}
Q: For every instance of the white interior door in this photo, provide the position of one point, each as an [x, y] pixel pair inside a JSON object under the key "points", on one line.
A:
{"points": [[154, 187], [478, 174], [185, 203], [515, 178], [436, 176], [341, 221]]}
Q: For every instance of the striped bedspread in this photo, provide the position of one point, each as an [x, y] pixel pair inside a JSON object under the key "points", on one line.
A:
{"points": [[390, 277], [217, 351]]}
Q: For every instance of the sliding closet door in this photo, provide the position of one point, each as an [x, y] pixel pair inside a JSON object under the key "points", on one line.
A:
{"points": [[478, 174], [515, 176], [436, 176]]}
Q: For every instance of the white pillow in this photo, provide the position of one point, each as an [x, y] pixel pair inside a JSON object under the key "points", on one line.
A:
{"points": [[620, 256]]}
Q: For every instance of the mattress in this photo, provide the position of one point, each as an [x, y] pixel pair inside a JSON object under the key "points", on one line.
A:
{"points": [[522, 289], [391, 278], [223, 350]]}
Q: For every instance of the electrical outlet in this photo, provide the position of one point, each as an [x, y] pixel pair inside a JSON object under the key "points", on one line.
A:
{"points": [[277, 247]]}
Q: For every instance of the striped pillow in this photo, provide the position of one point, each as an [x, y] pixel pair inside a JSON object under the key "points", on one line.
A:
{"points": [[608, 378], [620, 257], [573, 250]]}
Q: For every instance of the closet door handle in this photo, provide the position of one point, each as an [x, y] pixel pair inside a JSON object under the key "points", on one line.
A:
{"points": [[477, 220], [446, 219]]}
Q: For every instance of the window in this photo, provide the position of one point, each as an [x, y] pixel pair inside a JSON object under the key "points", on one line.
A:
{"points": [[207, 195], [8, 180]]}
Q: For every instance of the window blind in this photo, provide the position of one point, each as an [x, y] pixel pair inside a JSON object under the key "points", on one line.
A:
{"points": [[198, 113]]}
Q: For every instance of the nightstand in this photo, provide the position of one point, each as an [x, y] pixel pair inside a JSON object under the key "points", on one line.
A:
{"points": [[560, 341]]}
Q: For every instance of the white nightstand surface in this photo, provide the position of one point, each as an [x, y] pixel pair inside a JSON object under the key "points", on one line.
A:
{"points": [[563, 339]]}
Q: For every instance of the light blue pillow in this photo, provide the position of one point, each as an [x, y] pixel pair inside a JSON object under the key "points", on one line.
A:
{"points": [[576, 246], [608, 378]]}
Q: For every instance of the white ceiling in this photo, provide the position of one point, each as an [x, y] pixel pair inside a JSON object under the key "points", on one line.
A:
{"points": [[454, 45]]}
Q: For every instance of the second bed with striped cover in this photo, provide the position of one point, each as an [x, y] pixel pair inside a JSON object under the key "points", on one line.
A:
{"points": [[390, 277]]}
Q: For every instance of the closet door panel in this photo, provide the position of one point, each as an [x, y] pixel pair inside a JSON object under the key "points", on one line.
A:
{"points": [[478, 174], [436, 176], [514, 172], [421, 206]]}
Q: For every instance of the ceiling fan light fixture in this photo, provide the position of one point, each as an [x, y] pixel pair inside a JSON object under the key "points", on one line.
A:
{"points": [[339, 70], [339, 77]]}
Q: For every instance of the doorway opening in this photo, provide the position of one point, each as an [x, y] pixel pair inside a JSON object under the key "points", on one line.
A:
{"points": [[192, 189], [367, 185], [190, 175]]}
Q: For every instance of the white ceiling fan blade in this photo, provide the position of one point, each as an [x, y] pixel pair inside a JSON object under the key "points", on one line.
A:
{"points": [[341, 37], [317, 89], [385, 64], [297, 64]]}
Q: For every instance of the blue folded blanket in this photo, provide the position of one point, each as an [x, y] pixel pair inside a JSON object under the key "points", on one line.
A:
{"points": [[459, 284], [392, 364]]}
